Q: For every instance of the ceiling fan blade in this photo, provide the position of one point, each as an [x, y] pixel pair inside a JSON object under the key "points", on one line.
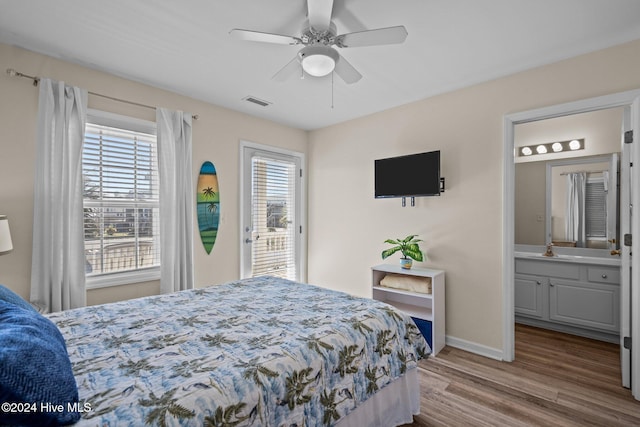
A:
{"points": [[346, 71], [257, 36], [390, 35], [292, 68], [319, 14]]}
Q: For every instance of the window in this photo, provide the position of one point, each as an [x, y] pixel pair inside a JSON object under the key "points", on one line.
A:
{"points": [[276, 214], [596, 209], [273, 190], [120, 188]]}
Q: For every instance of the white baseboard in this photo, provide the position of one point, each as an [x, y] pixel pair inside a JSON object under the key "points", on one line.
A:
{"points": [[473, 347]]}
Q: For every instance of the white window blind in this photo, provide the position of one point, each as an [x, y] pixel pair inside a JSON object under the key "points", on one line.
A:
{"points": [[596, 209], [121, 216], [273, 211]]}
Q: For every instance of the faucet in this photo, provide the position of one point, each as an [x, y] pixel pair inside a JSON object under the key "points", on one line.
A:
{"points": [[549, 251]]}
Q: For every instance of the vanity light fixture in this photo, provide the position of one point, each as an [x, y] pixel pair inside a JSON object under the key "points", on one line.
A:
{"points": [[575, 144], [552, 147]]}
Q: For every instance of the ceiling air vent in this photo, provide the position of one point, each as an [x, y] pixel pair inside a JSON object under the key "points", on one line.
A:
{"points": [[257, 101]]}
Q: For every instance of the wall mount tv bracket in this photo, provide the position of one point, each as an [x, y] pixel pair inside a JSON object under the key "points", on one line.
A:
{"points": [[413, 199]]}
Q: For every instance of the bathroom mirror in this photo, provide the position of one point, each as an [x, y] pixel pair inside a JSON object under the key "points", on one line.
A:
{"points": [[582, 202], [541, 182]]}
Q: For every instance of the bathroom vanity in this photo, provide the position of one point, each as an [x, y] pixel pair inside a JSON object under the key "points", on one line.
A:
{"points": [[573, 291]]}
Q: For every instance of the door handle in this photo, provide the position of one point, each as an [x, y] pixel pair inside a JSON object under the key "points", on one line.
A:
{"points": [[248, 240]]}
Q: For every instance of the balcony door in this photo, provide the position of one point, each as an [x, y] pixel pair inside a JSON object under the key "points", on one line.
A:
{"points": [[271, 208]]}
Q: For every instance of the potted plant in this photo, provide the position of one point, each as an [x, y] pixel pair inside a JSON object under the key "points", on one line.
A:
{"points": [[408, 246]]}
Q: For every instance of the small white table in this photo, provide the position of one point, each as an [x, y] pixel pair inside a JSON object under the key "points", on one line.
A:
{"points": [[428, 310]]}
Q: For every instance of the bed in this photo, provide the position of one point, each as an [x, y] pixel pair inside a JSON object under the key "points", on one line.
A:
{"points": [[256, 352]]}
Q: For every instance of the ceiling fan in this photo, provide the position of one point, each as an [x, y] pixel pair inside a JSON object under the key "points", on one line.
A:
{"points": [[318, 57]]}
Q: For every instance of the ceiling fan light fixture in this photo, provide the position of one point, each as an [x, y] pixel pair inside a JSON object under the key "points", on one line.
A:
{"points": [[318, 61]]}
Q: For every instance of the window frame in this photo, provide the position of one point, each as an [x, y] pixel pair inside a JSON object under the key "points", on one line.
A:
{"points": [[144, 274]]}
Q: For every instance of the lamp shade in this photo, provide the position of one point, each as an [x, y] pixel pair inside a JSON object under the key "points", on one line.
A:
{"points": [[6, 245], [318, 61]]}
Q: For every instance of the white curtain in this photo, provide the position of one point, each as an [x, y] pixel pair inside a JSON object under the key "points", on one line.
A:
{"points": [[176, 200], [575, 208], [57, 267]]}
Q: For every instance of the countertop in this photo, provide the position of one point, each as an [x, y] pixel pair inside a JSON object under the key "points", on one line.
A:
{"points": [[560, 255]]}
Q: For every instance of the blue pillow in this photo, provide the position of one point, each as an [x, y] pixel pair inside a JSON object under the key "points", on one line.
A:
{"points": [[35, 369], [8, 295]]}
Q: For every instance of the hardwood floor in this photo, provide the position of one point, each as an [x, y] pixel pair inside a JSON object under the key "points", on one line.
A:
{"points": [[556, 380]]}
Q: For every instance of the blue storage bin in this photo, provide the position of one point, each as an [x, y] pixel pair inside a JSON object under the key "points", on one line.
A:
{"points": [[425, 329]]}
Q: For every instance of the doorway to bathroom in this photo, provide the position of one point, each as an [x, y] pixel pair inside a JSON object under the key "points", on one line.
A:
{"points": [[559, 279]]}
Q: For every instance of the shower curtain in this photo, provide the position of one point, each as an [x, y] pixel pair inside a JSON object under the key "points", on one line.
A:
{"points": [[575, 208]]}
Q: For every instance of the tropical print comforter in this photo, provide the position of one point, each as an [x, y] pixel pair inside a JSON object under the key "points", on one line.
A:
{"points": [[257, 352]]}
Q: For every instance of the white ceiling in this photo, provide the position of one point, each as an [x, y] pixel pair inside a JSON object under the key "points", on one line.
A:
{"points": [[184, 46]]}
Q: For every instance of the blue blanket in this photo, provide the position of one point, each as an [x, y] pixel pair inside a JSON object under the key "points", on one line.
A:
{"points": [[257, 352]]}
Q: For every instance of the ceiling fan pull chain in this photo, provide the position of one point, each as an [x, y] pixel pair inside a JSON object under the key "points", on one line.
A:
{"points": [[332, 74]]}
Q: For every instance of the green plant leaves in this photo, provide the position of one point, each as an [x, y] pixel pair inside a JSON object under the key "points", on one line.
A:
{"points": [[408, 246], [413, 251], [388, 252]]}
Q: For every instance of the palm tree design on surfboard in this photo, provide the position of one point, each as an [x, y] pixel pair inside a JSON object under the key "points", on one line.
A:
{"points": [[208, 205]]}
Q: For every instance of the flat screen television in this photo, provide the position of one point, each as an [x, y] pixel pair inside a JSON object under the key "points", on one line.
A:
{"points": [[408, 176]]}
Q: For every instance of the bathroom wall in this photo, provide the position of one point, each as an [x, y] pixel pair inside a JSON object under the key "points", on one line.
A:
{"points": [[602, 133]]}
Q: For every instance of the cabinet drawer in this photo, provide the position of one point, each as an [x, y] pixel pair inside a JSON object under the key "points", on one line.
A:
{"points": [[603, 275], [548, 268]]}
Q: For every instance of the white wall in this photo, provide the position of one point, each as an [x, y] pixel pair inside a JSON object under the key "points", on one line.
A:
{"points": [[216, 136], [462, 229]]}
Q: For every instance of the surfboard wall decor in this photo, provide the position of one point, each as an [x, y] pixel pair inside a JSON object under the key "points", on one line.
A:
{"points": [[208, 205]]}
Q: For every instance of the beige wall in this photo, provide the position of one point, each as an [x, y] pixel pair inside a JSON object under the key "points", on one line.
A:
{"points": [[216, 137], [530, 203], [600, 129], [462, 229]]}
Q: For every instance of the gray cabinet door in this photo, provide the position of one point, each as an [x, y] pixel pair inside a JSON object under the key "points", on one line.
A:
{"points": [[528, 295], [590, 305]]}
